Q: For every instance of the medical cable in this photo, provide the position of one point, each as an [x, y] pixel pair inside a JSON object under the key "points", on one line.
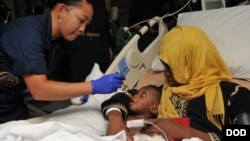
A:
{"points": [[7, 17], [172, 14], [126, 29], [144, 123]]}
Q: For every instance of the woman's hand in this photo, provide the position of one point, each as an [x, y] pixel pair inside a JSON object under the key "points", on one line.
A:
{"points": [[174, 130]]}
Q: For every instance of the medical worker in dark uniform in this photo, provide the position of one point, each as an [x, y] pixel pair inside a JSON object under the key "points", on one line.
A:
{"points": [[28, 57]]}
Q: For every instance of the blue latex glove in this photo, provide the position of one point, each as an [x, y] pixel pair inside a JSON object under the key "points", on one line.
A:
{"points": [[85, 99], [107, 83]]}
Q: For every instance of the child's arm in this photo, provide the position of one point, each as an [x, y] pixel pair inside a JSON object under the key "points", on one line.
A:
{"points": [[121, 101], [117, 124]]}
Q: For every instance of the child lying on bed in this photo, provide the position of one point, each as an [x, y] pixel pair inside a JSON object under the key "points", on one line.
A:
{"points": [[142, 103]]}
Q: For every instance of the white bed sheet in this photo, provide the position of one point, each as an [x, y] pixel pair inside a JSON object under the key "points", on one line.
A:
{"points": [[78, 123], [51, 131]]}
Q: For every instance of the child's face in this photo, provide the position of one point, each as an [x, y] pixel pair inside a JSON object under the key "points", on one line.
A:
{"points": [[144, 99]]}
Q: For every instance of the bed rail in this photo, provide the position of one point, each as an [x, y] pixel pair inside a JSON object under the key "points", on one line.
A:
{"points": [[134, 63]]}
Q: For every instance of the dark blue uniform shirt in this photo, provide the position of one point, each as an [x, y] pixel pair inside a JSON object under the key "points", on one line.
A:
{"points": [[24, 45]]}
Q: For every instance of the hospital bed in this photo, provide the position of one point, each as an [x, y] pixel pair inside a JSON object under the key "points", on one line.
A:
{"points": [[228, 28]]}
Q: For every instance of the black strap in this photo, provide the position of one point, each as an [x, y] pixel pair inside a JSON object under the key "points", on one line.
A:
{"points": [[242, 119]]}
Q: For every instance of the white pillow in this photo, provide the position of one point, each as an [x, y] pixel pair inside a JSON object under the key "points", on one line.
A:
{"points": [[157, 64], [229, 30], [87, 116], [94, 74]]}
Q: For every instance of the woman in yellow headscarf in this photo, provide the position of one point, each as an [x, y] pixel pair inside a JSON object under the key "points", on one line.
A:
{"points": [[198, 86]]}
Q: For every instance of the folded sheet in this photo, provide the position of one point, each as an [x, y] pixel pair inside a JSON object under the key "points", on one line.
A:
{"points": [[51, 131]]}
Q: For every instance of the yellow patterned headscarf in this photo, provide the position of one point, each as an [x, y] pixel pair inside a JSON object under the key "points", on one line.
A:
{"points": [[196, 63]]}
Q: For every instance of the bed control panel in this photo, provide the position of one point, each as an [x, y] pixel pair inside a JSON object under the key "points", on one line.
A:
{"points": [[134, 63], [123, 68]]}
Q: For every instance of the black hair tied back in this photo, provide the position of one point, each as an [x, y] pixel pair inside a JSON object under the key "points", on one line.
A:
{"points": [[52, 3]]}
